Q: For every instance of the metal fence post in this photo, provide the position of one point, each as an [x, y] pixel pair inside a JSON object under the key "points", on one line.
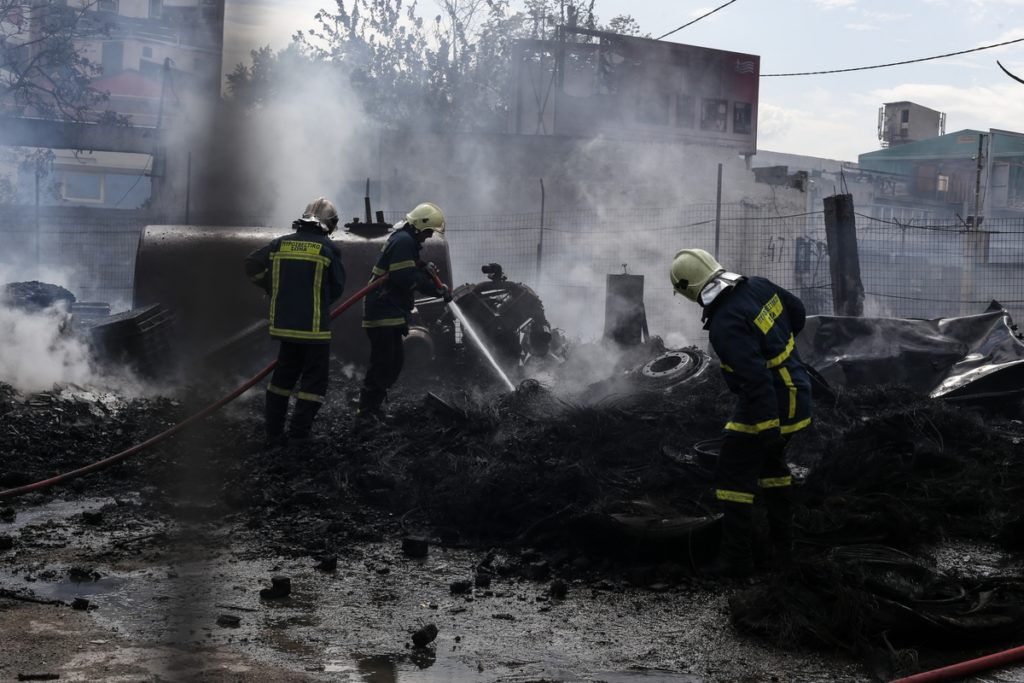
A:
{"points": [[718, 211], [540, 239]]}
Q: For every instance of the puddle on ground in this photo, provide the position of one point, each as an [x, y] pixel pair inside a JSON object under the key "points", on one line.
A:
{"points": [[424, 666], [65, 590], [509, 633], [57, 511], [420, 666]]}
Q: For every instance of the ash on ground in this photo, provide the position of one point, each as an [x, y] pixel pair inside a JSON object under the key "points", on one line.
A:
{"points": [[532, 498]]}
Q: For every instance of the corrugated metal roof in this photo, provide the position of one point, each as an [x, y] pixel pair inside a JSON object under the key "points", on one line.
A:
{"points": [[963, 144]]}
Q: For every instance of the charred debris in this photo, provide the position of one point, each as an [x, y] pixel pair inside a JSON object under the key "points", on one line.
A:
{"points": [[597, 483]]}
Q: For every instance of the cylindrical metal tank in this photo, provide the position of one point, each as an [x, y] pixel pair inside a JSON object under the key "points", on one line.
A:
{"points": [[198, 273]]}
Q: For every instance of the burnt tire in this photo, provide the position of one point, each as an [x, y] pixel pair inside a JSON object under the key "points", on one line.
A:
{"points": [[672, 370]]}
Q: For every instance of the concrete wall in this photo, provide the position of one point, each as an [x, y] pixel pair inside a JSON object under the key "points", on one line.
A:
{"points": [[468, 174]]}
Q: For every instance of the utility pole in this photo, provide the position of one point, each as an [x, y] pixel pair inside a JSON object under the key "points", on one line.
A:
{"points": [[977, 182], [986, 204], [975, 242], [718, 212]]}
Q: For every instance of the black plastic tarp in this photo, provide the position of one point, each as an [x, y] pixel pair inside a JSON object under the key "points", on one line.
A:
{"points": [[968, 357]]}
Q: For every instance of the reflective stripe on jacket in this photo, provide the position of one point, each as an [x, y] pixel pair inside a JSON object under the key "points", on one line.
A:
{"points": [[303, 275], [392, 304], [753, 330]]}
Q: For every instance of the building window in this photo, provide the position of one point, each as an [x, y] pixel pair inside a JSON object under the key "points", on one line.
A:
{"points": [[155, 8], [685, 116], [742, 118], [107, 6], [82, 187], [147, 52], [714, 115], [942, 183], [904, 116], [653, 108]]}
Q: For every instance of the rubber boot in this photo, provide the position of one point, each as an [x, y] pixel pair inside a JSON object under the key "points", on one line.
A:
{"points": [[275, 413], [779, 507], [735, 556], [302, 419]]}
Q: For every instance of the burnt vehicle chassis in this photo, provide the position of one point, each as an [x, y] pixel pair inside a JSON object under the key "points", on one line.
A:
{"points": [[509, 316]]}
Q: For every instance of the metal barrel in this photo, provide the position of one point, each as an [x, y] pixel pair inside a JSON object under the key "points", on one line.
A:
{"points": [[197, 272]]}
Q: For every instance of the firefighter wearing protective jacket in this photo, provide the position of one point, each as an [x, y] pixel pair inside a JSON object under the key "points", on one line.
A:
{"points": [[303, 275], [386, 310], [752, 325]]}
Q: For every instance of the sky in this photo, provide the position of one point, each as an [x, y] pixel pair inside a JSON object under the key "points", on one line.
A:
{"points": [[834, 116]]}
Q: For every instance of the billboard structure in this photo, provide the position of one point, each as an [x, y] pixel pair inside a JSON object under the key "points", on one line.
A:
{"points": [[587, 83]]}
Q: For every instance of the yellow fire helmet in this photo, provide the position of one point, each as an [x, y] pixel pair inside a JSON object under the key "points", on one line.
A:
{"points": [[691, 270], [426, 216]]}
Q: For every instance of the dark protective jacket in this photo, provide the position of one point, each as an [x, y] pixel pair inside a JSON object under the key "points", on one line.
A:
{"points": [[391, 304], [752, 328], [303, 275]]}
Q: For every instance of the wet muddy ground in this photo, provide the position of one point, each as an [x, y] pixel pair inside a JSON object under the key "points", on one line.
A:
{"points": [[186, 605], [526, 507]]}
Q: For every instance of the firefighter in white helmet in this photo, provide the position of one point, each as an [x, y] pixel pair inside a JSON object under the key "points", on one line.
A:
{"points": [[386, 310], [752, 324], [303, 275]]}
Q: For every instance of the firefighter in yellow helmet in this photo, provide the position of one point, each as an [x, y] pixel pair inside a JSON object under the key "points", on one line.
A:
{"points": [[752, 324], [386, 310], [303, 275]]}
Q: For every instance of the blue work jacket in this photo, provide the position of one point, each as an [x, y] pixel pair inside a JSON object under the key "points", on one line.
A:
{"points": [[753, 330], [303, 275], [391, 305]]}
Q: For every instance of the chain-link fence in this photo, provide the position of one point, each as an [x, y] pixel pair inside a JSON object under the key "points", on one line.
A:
{"points": [[924, 269], [933, 269], [567, 261], [90, 252]]}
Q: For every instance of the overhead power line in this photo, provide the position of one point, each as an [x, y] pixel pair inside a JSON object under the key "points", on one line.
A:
{"points": [[695, 20], [882, 66]]}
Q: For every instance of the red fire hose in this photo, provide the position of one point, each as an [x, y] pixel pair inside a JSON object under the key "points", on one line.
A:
{"points": [[971, 666], [212, 408]]}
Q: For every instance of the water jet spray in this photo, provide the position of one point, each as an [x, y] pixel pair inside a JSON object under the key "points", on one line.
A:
{"points": [[470, 331]]}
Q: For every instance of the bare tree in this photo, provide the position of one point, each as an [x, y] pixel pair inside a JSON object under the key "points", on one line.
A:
{"points": [[43, 70]]}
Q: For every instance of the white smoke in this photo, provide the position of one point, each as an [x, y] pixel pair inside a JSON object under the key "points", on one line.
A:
{"points": [[43, 350], [39, 351], [317, 139]]}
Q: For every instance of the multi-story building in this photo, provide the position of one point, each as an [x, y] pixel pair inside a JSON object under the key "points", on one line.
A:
{"points": [[589, 83], [920, 173], [154, 56], [156, 50], [965, 173]]}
